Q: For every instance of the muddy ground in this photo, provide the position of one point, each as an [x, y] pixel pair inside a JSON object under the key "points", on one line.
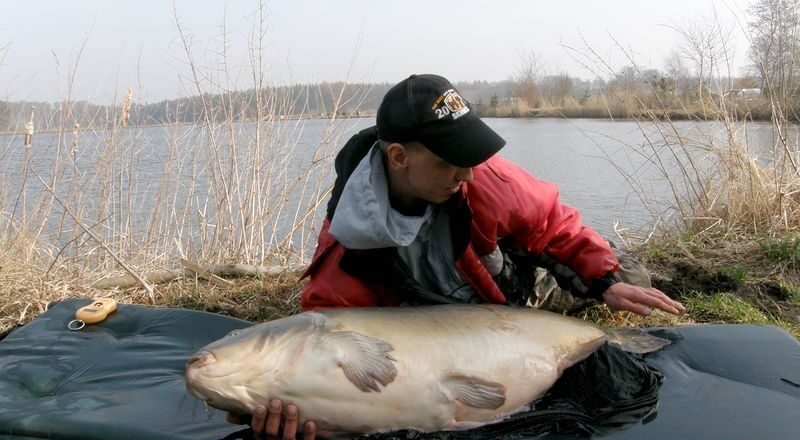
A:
{"points": [[770, 296]]}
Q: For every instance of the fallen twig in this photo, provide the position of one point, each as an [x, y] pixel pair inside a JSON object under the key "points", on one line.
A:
{"points": [[205, 273], [167, 275]]}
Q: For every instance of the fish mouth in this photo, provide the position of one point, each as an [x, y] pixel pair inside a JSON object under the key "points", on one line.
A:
{"points": [[202, 377], [202, 389], [204, 364], [200, 359]]}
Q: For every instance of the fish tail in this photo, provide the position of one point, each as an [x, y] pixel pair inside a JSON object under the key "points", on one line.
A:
{"points": [[635, 340]]}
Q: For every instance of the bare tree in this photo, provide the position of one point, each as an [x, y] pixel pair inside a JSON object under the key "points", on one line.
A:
{"points": [[706, 47], [525, 82], [3, 52], [563, 88], [4, 105], [675, 69], [774, 28]]}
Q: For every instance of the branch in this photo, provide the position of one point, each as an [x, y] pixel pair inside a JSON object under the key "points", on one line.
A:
{"points": [[147, 287]]}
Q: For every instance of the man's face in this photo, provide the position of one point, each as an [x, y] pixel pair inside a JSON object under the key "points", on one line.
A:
{"points": [[430, 177]]}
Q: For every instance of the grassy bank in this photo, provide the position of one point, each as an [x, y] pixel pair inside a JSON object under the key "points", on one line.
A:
{"points": [[733, 282], [715, 291]]}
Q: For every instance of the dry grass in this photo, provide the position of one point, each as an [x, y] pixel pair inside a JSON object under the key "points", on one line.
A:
{"points": [[627, 103], [249, 299], [238, 187], [726, 240], [702, 309], [606, 317], [26, 291]]}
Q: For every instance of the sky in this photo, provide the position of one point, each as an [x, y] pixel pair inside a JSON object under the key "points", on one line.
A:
{"points": [[123, 44]]}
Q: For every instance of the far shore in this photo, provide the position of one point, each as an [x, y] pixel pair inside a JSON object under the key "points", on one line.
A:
{"points": [[572, 113]]}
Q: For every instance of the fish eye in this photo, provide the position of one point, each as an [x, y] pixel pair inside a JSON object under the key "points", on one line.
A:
{"points": [[234, 333]]}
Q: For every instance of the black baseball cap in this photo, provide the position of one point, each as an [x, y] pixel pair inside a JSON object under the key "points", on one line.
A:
{"points": [[429, 110]]}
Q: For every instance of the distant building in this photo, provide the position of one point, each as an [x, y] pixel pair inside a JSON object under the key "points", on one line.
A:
{"points": [[742, 93]]}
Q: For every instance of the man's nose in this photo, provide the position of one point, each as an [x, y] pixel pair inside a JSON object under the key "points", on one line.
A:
{"points": [[464, 175]]}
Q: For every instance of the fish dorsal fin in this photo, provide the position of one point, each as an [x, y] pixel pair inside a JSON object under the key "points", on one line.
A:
{"points": [[476, 392], [366, 361]]}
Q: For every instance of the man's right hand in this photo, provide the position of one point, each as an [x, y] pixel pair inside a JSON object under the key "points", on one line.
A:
{"points": [[637, 299], [276, 422]]}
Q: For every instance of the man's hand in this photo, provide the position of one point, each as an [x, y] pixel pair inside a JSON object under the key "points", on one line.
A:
{"points": [[267, 424], [623, 296]]}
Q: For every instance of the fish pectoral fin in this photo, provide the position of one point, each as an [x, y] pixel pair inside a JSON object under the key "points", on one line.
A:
{"points": [[476, 392], [366, 361], [580, 353]]}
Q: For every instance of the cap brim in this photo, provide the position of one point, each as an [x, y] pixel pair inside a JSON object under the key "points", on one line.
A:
{"points": [[467, 143]]}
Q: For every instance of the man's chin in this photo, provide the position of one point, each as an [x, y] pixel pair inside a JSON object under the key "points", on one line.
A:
{"points": [[441, 199]]}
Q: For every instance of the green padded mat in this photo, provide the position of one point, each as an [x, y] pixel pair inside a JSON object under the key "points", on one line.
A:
{"points": [[123, 379]]}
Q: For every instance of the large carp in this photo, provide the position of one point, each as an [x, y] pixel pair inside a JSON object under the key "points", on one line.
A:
{"points": [[368, 370]]}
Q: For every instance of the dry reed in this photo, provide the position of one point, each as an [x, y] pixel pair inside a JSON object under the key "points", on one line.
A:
{"points": [[237, 187], [733, 213]]}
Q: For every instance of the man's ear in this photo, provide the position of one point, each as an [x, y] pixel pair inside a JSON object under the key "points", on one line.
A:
{"points": [[397, 156]]}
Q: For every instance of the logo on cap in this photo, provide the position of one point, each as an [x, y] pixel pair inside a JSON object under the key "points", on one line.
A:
{"points": [[450, 103]]}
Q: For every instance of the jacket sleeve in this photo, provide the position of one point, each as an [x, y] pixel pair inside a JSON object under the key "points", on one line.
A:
{"points": [[330, 286], [525, 213]]}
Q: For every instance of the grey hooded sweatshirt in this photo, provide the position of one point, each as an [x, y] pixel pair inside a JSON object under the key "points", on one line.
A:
{"points": [[365, 219]]}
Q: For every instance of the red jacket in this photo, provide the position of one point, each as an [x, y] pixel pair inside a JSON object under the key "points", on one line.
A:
{"points": [[502, 205]]}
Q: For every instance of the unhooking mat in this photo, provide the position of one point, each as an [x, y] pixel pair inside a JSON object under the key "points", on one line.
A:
{"points": [[123, 379]]}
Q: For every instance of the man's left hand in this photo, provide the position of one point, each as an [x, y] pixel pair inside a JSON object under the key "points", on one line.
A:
{"points": [[623, 296]]}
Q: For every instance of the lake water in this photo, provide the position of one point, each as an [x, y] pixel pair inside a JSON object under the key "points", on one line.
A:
{"points": [[175, 181]]}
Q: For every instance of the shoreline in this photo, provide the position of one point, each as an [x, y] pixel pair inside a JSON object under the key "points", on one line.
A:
{"points": [[669, 116]]}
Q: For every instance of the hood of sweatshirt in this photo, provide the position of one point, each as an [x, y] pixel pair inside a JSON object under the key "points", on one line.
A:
{"points": [[364, 218]]}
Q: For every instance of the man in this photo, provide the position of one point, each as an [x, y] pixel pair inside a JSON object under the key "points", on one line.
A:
{"points": [[423, 211]]}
